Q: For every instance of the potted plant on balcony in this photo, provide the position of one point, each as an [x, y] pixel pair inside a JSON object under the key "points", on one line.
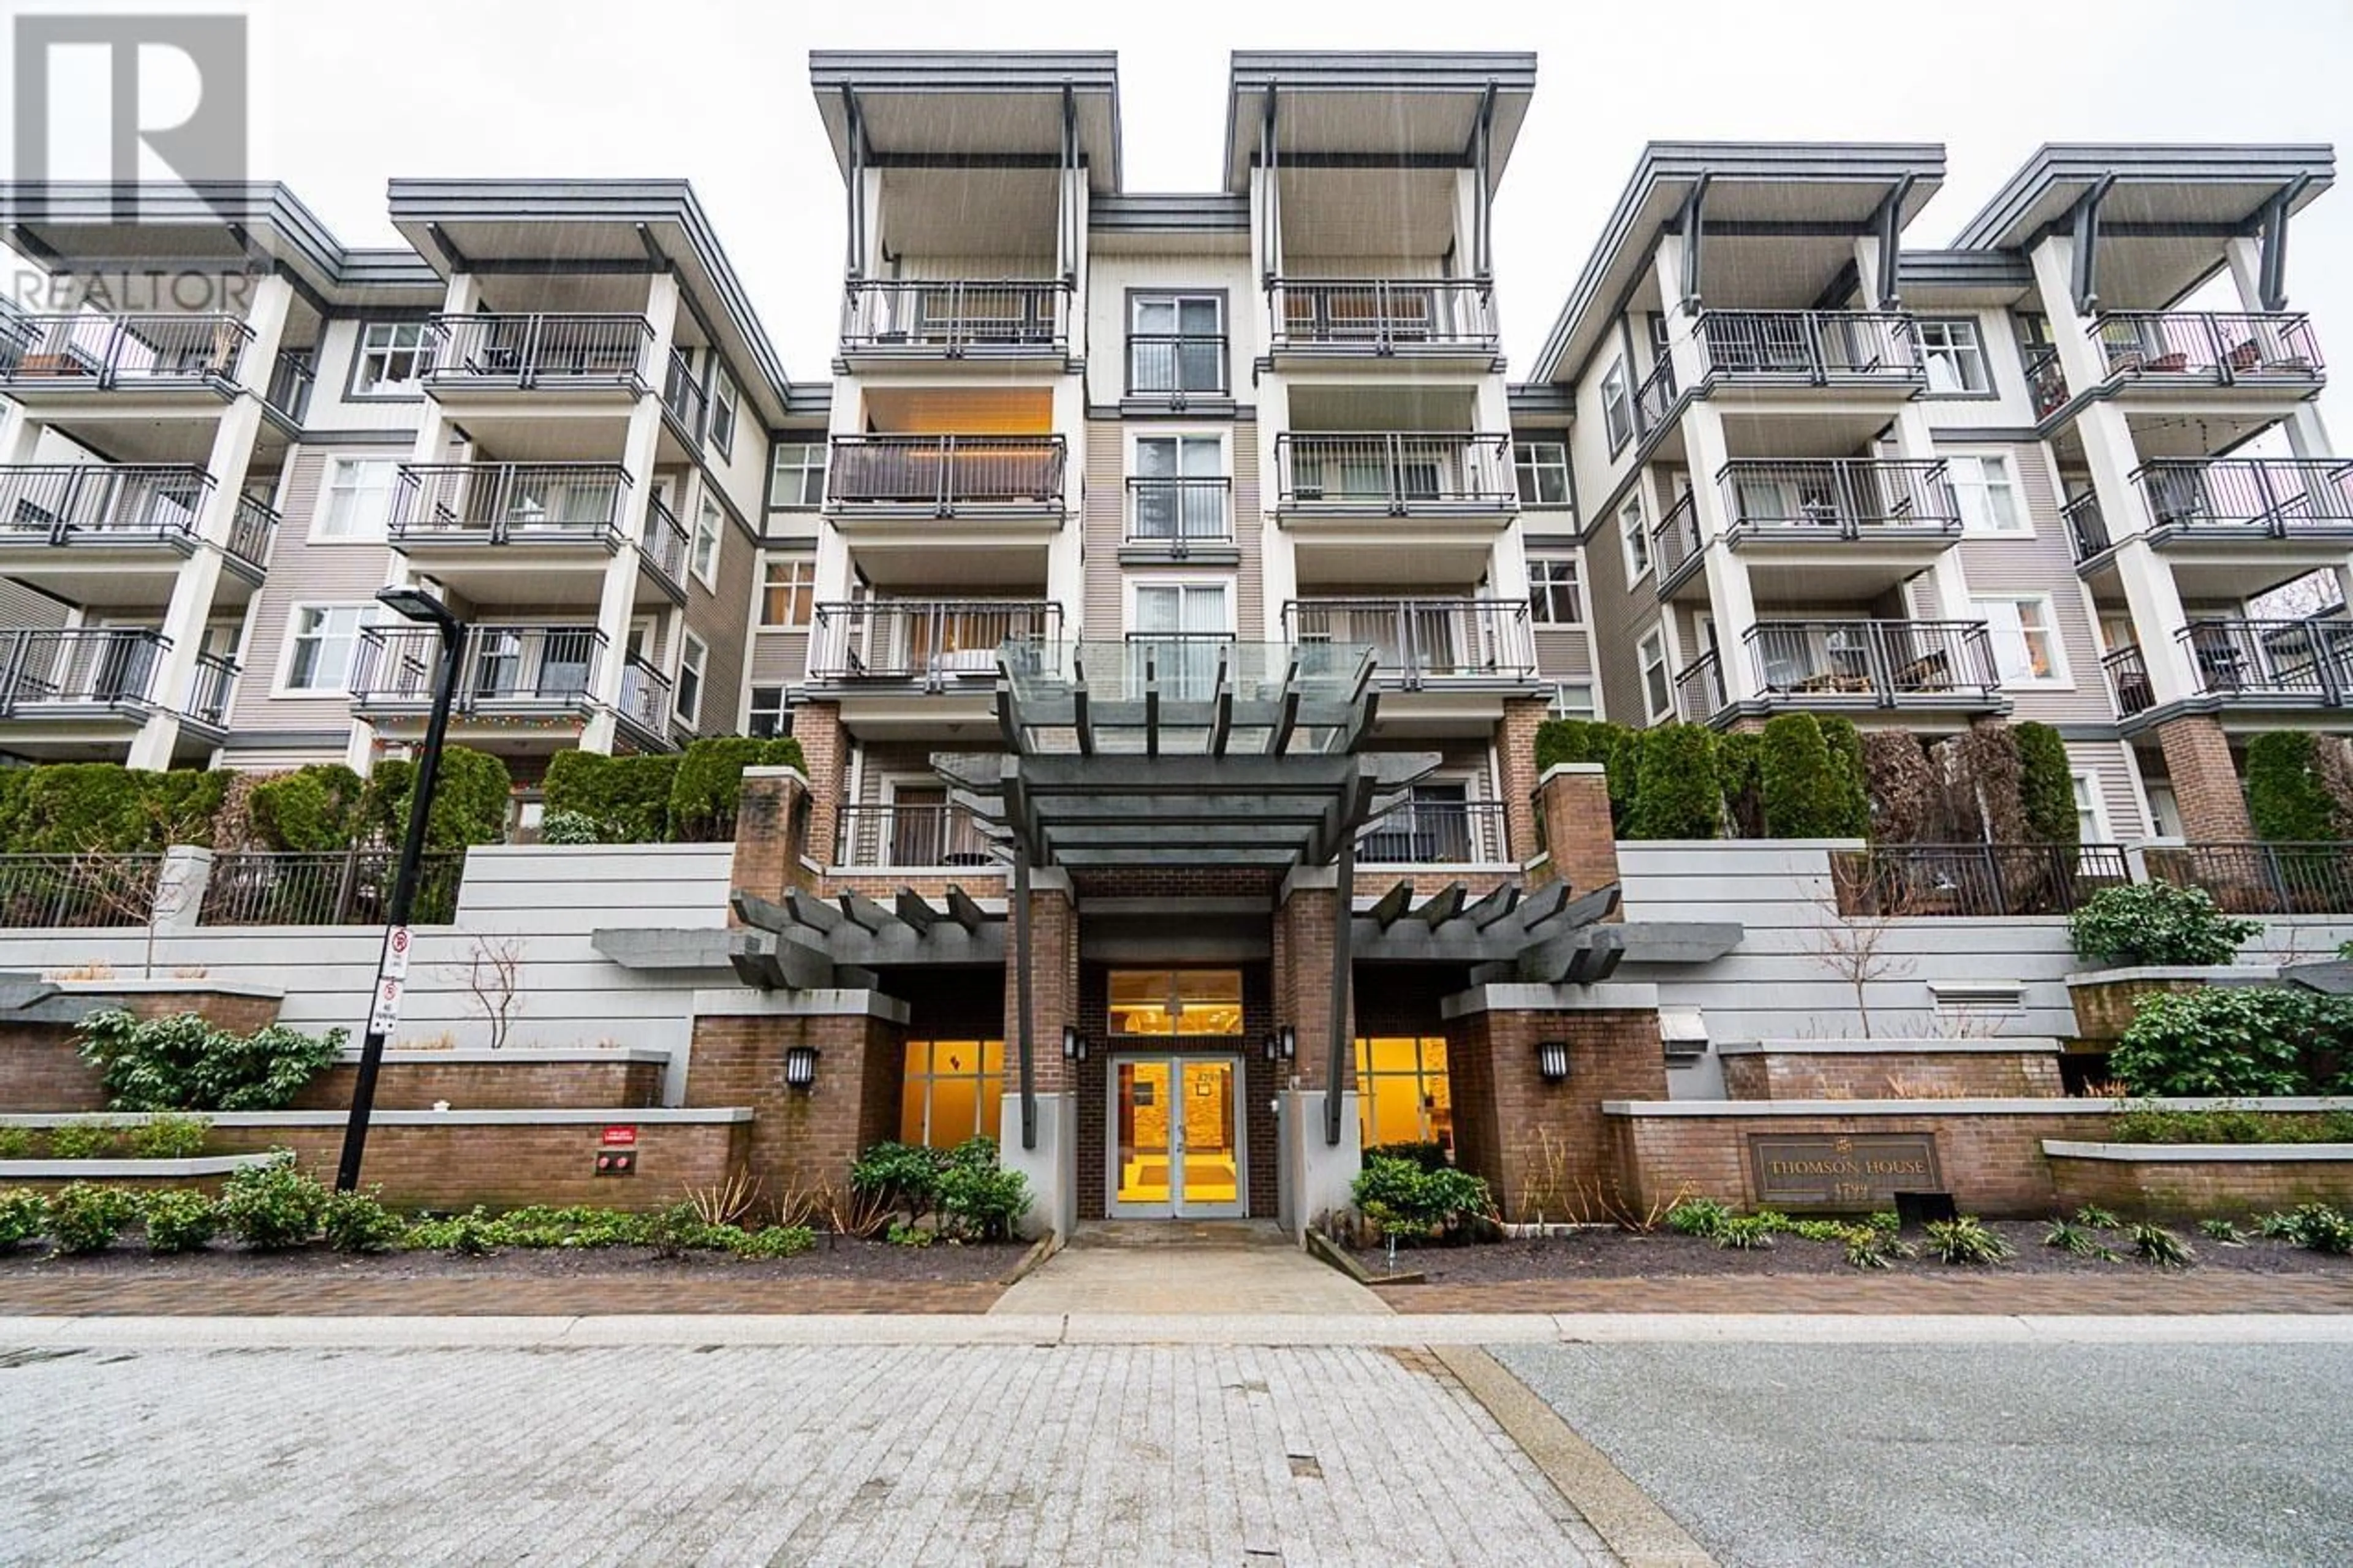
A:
{"points": [[2151, 938]]}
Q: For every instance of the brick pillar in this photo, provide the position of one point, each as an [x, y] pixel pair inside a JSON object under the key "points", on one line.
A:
{"points": [[802, 1139], [1053, 984], [1303, 975], [771, 819], [1578, 838], [1545, 1147], [2205, 784], [825, 751], [1521, 716]]}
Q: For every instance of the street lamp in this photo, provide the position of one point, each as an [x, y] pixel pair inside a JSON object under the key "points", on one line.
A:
{"points": [[392, 969]]}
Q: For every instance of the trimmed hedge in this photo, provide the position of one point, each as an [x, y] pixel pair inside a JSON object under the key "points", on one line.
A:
{"points": [[2046, 785], [1615, 746], [73, 808], [321, 807], [2286, 798], [1845, 742], [627, 798], [1679, 792], [1739, 766], [1804, 785], [710, 777], [469, 799]]}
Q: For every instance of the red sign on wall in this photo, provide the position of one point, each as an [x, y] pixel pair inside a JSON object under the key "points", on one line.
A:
{"points": [[621, 1138]]}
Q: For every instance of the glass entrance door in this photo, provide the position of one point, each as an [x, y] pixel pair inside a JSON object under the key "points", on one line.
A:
{"points": [[1176, 1144]]}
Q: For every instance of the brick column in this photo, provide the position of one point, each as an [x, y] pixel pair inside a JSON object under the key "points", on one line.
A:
{"points": [[1521, 716], [1583, 847], [802, 1139], [825, 751], [2205, 784], [1303, 973], [772, 817], [1053, 984]]}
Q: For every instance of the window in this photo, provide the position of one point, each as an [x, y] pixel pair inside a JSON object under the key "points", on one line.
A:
{"points": [[692, 657], [722, 413], [1572, 700], [1403, 1095], [1179, 488], [1988, 498], [769, 718], [2025, 639], [951, 1092], [1177, 1002], [1637, 539], [1433, 826], [1182, 609], [787, 591], [1954, 355], [1658, 691], [1542, 468], [320, 640], [2091, 814], [702, 555], [796, 474], [356, 501], [1553, 598], [1175, 343], [1617, 408], [394, 356]]}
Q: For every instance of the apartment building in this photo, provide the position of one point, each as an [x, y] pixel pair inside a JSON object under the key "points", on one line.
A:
{"points": [[1829, 472]]}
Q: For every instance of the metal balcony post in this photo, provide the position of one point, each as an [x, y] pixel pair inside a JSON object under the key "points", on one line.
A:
{"points": [[2275, 520], [943, 487], [2214, 342], [2276, 877], [2000, 900], [1810, 322], [1396, 444]]}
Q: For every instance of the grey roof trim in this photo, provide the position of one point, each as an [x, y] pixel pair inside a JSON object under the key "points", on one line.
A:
{"points": [[1963, 270], [1169, 212], [2153, 163], [1540, 399], [1662, 162], [1409, 69], [806, 399]]}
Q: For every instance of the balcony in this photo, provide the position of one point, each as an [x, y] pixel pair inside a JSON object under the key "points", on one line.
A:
{"points": [[907, 837], [1395, 474], [945, 476], [115, 535], [495, 358], [648, 701], [46, 360], [1844, 665], [896, 321], [1171, 369], [685, 404], [1854, 349], [2165, 351], [938, 644], [1420, 320], [1437, 832], [78, 693], [1700, 693], [1179, 517], [2128, 674], [2271, 664], [2087, 527], [494, 531], [2234, 527], [510, 672], [1835, 528], [1425, 643], [290, 383], [1655, 398], [661, 548], [2274, 879]]}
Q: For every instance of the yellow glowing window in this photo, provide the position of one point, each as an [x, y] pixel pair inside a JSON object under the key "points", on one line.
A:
{"points": [[1402, 1093], [1177, 1002], [951, 1092]]}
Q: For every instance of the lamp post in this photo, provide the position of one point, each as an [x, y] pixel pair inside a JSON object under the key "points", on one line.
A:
{"points": [[392, 969]]}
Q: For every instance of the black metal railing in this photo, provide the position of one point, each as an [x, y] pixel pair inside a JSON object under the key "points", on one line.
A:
{"points": [[922, 639], [2209, 345], [2087, 527], [1838, 498], [647, 699], [291, 381], [1436, 833], [663, 542], [334, 888], [1974, 879], [1395, 472], [1882, 662], [110, 667], [1655, 399], [1700, 694], [2239, 498], [95, 351], [1162, 510], [509, 503], [683, 397], [1674, 539], [2299, 660], [1809, 345], [943, 474], [2045, 382], [211, 685], [506, 666], [2285, 879], [126, 503], [78, 891], [1381, 315], [908, 834], [956, 316], [1419, 641], [2128, 674], [559, 349], [251, 528], [1176, 364]]}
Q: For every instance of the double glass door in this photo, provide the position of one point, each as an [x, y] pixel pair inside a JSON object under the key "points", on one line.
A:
{"points": [[1175, 1143]]}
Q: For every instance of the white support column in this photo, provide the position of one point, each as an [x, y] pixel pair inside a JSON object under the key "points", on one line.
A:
{"points": [[1866, 270], [20, 433], [1730, 599], [1066, 569], [1948, 583], [1507, 563], [191, 604], [1683, 339], [1278, 562], [617, 598], [2307, 436]]}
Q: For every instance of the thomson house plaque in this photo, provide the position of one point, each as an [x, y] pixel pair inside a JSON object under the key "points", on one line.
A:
{"points": [[1841, 1171]]}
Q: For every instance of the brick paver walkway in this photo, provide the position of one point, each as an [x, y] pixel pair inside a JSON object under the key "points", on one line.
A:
{"points": [[585, 1295], [2127, 1291]]}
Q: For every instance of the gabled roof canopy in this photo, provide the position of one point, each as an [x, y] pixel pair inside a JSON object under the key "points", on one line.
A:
{"points": [[923, 104], [1387, 103]]}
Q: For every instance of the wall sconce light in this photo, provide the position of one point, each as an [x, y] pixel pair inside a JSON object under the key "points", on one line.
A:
{"points": [[800, 1067], [1282, 1044], [1552, 1060], [1074, 1045]]}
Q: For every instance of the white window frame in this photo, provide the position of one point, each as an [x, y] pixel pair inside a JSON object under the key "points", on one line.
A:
{"points": [[2085, 782], [283, 685], [1561, 708], [1977, 514], [1655, 638], [782, 711], [1617, 407], [1227, 587], [419, 351], [1175, 299], [702, 541], [1962, 353], [361, 529], [2059, 678], [1533, 460], [1179, 434], [812, 464], [1548, 563], [701, 665], [1634, 540], [723, 397], [803, 575]]}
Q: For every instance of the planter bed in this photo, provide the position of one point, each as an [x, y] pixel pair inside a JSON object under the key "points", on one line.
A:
{"points": [[2199, 1178]]}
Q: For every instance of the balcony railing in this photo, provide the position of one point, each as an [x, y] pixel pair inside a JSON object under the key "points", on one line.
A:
{"points": [[1881, 663], [929, 640], [663, 542], [683, 397], [129, 350], [1838, 498], [1699, 689], [909, 835], [943, 475], [2128, 674], [539, 350], [1674, 539], [1655, 398], [335, 888], [1423, 642], [2299, 661], [77, 891], [2241, 498], [2087, 527], [1990, 880], [1381, 316], [1437, 832], [506, 666], [106, 504], [2208, 345], [1819, 346], [110, 667], [1398, 472], [2261, 879], [956, 317], [1177, 510], [1176, 364], [2044, 380], [290, 381], [212, 686], [509, 503], [647, 699]]}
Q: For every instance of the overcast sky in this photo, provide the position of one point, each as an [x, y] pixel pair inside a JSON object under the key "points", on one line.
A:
{"points": [[349, 95]]}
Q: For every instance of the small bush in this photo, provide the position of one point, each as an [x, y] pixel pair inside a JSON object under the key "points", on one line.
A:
{"points": [[178, 1221], [1965, 1242], [2157, 1124], [908, 1235], [1740, 763], [273, 1204], [358, 1222], [1614, 746], [2160, 1247], [2098, 1218], [16, 1143], [568, 828], [86, 1217], [1818, 1229], [1698, 1216], [1805, 789], [2046, 785], [901, 1177], [2223, 1231], [2233, 1041], [1875, 1246], [23, 1216], [710, 777], [1848, 773], [469, 799], [183, 1063], [84, 1140], [171, 1137], [2157, 923], [2071, 1239], [2316, 1227], [469, 1235], [317, 808], [627, 798], [1401, 1199], [777, 1241], [1678, 793], [1746, 1233], [2287, 801], [1424, 1156], [983, 1203]]}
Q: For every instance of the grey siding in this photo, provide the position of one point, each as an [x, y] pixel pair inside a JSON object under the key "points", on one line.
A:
{"points": [[22, 609], [720, 617], [1617, 618]]}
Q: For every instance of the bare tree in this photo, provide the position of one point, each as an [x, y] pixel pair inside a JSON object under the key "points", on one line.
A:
{"points": [[494, 980], [130, 887], [1855, 920]]}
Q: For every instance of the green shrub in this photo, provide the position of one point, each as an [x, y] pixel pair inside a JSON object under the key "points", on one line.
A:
{"points": [[16, 1143], [469, 1235], [568, 828], [272, 1205], [2286, 799], [1966, 1241], [469, 799], [183, 1063], [983, 1204], [1678, 793], [1739, 767], [1614, 746], [908, 1235], [86, 1217], [708, 778], [901, 1176], [2046, 785], [776, 1241], [1698, 1216], [178, 1221], [73, 808], [84, 1140], [2098, 1218], [171, 1137], [317, 808], [2223, 1231], [1746, 1233], [1804, 790], [1875, 1246], [2066, 1235], [1845, 743], [2157, 1124], [23, 1216], [2232, 1041], [2157, 923], [1402, 1199], [1424, 1156], [1817, 1230], [627, 798], [358, 1222], [2316, 1227]]}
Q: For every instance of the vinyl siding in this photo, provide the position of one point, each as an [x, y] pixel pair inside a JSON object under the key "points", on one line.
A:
{"points": [[302, 573], [720, 617], [2044, 565], [2106, 760], [23, 609], [1618, 616], [1103, 517], [1111, 277]]}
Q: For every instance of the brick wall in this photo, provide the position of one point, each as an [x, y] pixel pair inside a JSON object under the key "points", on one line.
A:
{"points": [[824, 756], [1302, 982], [2200, 1187], [2205, 783], [2104, 1010], [802, 1139], [1517, 764], [1053, 992], [1581, 844], [1894, 1074], [771, 815], [492, 1086], [41, 1066], [506, 1166], [1546, 1146]]}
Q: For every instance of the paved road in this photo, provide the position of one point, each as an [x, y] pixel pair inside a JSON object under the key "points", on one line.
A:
{"points": [[1980, 1454], [999, 1453]]}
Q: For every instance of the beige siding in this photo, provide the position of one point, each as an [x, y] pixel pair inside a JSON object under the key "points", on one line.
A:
{"points": [[22, 609], [302, 573], [1249, 589], [2043, 564], [2106, 760], [1103, 520], [1619, 616], [720, 617], [779, 659]]}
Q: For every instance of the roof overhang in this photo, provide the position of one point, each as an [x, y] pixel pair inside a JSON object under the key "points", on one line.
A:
{"points": [[1406, 105], [942, 107]]}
